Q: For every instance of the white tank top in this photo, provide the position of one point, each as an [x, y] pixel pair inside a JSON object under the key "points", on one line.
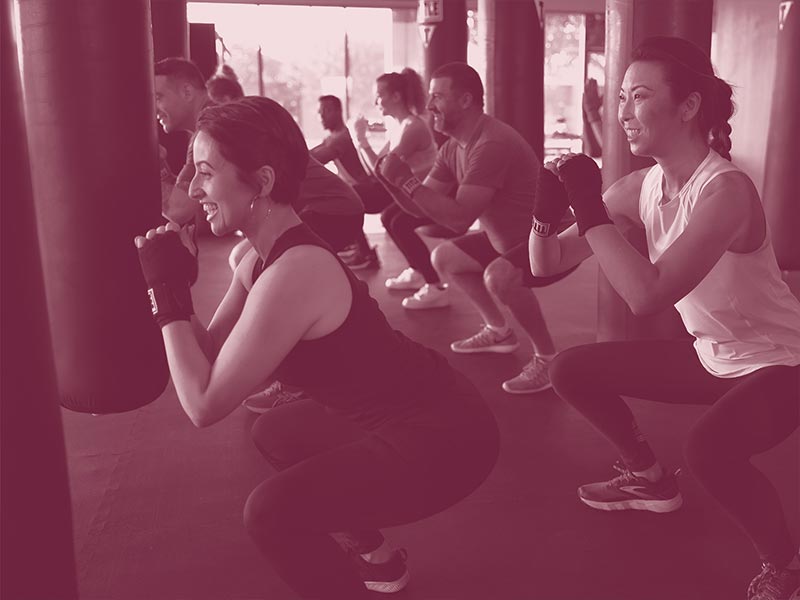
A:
{"points": [[421, 161], [742, 314]]}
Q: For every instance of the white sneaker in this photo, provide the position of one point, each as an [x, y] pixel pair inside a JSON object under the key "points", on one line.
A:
{"points": [[428, 296], [410, 279]]}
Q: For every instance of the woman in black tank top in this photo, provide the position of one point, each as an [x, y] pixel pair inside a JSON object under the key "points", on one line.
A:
{"points": [[393, 434]]}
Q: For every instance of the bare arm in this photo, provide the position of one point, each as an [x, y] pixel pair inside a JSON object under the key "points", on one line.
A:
{"points": [[264, 333], [722, 215]]}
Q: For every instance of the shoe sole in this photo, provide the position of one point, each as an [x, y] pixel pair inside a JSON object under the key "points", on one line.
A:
{"points": [[362, 266], [259, 410], [521, 392], [425, 307], [403, 287], [656, 506], [388, 587], [489, 349]]}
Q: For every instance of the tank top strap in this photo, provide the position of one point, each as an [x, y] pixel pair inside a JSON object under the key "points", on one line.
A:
{"points": [[299, 235]]}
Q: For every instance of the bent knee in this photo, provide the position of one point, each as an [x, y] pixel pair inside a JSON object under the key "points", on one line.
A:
{"points": [[571, 372], [501, 276], [445, 256]]}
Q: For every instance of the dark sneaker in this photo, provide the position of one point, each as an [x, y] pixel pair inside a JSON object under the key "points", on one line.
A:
{"points": [[362, 260], [629, 492], [775, 584], [388, 577]]}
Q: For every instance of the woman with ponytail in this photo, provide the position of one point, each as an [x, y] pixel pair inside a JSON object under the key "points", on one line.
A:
{"points": [[711, 257], [402, 97]]}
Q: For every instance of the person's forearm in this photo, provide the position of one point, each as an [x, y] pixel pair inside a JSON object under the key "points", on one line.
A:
{"points": [[440, 208], [545, 254], [176, 204], [632, 275], [367, 153], [190, 369]]}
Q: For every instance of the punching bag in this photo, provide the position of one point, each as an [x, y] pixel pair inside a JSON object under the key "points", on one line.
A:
{"points": [[781, 175], [37, 559], [88, 83]]}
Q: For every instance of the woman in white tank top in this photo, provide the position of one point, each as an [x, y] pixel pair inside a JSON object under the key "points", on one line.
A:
{"points": [[711, 257], [402, 97]]}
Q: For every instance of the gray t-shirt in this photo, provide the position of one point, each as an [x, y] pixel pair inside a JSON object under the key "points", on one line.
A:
{"points": [[498, 157]]}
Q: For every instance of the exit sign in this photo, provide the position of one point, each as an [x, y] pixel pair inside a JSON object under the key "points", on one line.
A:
{"points": [[430, 11]]}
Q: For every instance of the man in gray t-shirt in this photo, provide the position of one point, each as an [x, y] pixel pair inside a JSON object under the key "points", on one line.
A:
{"points": [[487, 171]]}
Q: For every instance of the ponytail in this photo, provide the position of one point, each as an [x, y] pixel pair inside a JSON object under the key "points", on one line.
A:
{"points": [[415, 96]]}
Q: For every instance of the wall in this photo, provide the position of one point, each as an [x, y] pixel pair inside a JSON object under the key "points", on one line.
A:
{"points": [[743, 50]]}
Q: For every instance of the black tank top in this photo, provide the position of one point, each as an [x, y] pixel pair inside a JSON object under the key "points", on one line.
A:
{"points": [[364, 369]]}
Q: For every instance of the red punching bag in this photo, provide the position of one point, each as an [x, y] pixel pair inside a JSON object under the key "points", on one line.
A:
{"points": [[88, 81]]}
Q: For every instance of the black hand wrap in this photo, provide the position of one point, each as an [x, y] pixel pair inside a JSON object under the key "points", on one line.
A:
{"points": [[549, 204], [584, 184], [168, 269]]}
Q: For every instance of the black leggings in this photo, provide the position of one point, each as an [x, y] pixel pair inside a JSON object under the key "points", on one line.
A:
{"points": [[748, 416], [401, 227], [336, 477]]}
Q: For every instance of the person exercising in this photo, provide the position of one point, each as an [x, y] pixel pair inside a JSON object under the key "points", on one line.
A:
{"points": [[711, 257], [392, 435]]}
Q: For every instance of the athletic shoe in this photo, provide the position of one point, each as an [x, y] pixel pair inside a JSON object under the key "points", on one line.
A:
{"points": [[629, 492], [388, 577], [535, 377], [487, 340], [363, 260], [410, 279], [348, 251], [774, 584], [275, 395], [428, 296]]}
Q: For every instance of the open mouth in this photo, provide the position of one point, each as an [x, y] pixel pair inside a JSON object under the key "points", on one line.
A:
{"points": [[632, 133], [210, 209]]}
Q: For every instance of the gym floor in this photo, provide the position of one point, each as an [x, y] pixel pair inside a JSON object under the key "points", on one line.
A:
{"points": [[158, 504]]}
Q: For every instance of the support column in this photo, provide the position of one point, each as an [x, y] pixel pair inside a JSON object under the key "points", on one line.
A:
{"points": [[37, 558], [782, 177], [170, 29], [628, 22], [514, 39]]}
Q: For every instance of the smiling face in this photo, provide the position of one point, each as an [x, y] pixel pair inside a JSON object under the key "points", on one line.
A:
{"points": [[648, 112], [443, 105], [173, 105], [218, 186]]}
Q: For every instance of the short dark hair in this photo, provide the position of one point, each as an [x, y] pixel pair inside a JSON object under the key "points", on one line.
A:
{"points": [[252, 132], [182, 70], [337, 104], [220, 85], [465, 79]]}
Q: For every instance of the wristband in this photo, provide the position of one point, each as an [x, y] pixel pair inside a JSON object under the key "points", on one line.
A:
{"points": [[169, 304], [543, 229], [411, 185]]}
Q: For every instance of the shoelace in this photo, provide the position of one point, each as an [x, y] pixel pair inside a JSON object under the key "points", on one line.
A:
{"points": [[767, 581], [486, 334], [625, 475]]}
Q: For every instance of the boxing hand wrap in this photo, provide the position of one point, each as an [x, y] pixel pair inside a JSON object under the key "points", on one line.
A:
{"points": [[397, 172], [549, 205], [170, 303], [584, 184], [168, 268]]}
